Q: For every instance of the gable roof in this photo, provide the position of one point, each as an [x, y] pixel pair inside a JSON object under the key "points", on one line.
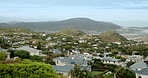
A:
{"points": [[110, 59], [138, 65], [62, 69], [143, 71], [55, 51], [32, 51], [73, 59], [27, 48]]}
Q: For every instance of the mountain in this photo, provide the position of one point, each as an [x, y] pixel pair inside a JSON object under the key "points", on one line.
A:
{"points": [[112, 36], [71, 32], [4, 25], [84, 24]]}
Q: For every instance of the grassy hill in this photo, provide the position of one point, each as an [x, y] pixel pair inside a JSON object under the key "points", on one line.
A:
{"points": [[17, 30], [70, 32], [112, 36]]}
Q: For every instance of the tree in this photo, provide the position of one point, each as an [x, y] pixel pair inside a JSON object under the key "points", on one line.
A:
{"points": [[139, 77], [50, 62], [128, 64], [3, 55], [77, 72], [36, 58], [39, 46], [22, 54], [5, 43], [125, 73], [27, 70]]}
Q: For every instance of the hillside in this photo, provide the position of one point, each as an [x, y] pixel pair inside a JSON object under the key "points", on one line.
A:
{"points": [[18, 31], [71, 32], [112, 36], [84, 24]]}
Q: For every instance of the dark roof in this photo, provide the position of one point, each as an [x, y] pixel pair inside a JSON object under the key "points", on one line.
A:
{"points": [[64, 51]]}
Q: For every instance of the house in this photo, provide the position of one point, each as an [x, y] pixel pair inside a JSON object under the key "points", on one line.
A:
{"points": [[48, 39], [56, 51], [32, 51], [88, 56], [66, 53], [138, 66], [119, 43], [106, 54], [78, 59], [111, 60], [146, 59], [64, 70], [65, 64], [140, 69], [82, 41], [135, 58], [76, 51]]}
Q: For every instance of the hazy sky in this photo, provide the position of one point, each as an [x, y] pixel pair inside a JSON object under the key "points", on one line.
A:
{"points": [[122, 12]]}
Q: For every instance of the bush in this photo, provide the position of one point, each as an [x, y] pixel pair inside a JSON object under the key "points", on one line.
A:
{"points": [[32, 70]]}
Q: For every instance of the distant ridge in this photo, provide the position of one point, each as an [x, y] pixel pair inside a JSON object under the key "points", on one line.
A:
{"points": [[84, 24]]}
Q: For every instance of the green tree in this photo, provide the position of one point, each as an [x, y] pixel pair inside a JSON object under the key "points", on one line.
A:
{"points": [[5, 43], [50, 62], [22, 54], [27, 70], [128, 64], [77, 72], [3, 55], [36, 58], [125, 73]]}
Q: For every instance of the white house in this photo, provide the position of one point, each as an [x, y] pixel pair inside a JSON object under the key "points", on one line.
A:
{"points": [[32, 51]]}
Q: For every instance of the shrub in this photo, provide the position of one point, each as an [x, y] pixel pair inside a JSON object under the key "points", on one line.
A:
{"points": [[32, 70]]}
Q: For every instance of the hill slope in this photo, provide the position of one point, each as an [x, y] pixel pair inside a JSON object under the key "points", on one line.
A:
{"points": [[84, 24], [112, 36], [71, 32]]}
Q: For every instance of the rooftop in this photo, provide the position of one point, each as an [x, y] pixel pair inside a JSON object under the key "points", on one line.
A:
{"points": [[110, 59], [139, 65], [62, 69]]}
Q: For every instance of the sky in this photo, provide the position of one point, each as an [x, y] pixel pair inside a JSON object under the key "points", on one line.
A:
{"points": [[122, 12]]}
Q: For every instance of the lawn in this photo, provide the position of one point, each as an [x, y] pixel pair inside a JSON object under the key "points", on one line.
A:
{"points": [[96, 72]]}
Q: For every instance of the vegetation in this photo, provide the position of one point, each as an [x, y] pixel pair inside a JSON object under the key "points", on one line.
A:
{"points": [[22, 54], [128, 64], [100, 66], [112, 36], [75, 23], [36, 58], [78, 73], [125, 73], [27, 70], [3, 55], [71, 32]]}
